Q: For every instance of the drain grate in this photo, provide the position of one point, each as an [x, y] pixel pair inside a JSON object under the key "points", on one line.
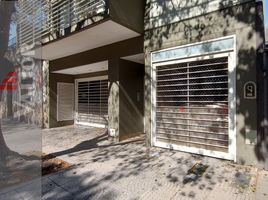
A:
{"points": [[198, 169], [195, 172]]}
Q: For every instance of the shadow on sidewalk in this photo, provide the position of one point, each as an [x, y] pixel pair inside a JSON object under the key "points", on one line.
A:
{"points": [[94, 143]]}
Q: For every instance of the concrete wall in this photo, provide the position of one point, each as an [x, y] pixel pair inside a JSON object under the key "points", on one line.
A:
{"points": [[53, 80], [131, 99], [128, 13], [237, 20], [159, 13]]}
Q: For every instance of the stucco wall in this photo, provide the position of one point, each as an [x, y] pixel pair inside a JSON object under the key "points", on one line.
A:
{"points": [[237, 20]]}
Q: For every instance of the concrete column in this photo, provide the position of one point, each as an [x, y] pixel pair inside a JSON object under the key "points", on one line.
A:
{"points": [[113, 102], [45, 109], [147, 97]]}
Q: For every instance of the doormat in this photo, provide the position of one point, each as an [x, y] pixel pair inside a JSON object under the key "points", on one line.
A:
{"points": [[52, 164], [195, 172]]}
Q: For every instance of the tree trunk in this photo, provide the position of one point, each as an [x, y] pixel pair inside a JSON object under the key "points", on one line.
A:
{"points": [[6, 10], [4, 150]]}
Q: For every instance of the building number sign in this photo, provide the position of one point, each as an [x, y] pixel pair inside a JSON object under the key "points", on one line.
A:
{"points": [[250, 90]]}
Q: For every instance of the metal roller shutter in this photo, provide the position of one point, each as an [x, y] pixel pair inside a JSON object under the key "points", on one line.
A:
{"points": [[92, 102], [192, 104]]}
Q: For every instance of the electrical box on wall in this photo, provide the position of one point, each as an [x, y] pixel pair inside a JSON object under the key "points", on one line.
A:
{"points": [[112, 132]]}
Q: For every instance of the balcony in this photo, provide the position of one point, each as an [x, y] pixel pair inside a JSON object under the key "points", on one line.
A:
{"points": [[54, 19], [53, 26]]}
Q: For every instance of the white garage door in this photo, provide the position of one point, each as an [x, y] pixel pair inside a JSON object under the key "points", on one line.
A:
{"points": [[92, 101], [192, 105]]}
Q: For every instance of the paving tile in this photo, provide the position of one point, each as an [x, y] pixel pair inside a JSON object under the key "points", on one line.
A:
{"points": [[57, 193], [13, 195], [262, 186], [47, 185], [134, 171], [33, 190]]}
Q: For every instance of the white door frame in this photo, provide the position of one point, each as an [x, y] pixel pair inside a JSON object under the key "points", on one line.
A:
{"points": [[76, 122], [231, 155]]}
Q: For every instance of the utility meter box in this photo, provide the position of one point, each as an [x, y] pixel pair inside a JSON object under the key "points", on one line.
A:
{"points": [[112, 132]]}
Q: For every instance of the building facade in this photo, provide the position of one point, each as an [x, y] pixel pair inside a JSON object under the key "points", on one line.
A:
{"points": [[202, 64], [185, 73]]}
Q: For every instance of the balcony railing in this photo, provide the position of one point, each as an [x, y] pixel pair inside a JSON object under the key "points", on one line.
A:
{"points": [[45, 20]]}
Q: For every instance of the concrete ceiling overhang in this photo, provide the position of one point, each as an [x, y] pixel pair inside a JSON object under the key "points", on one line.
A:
{"points": [[105, 33], [137, 58], [85, 69]]}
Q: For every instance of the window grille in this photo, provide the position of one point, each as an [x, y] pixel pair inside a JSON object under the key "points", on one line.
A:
{"points": [[192, 104], [92, 104]]}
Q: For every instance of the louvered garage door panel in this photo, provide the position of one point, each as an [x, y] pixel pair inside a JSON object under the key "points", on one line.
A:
{"points": [[92, 104], [192, 104]]}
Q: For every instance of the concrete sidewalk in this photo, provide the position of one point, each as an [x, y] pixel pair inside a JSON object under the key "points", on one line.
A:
{"points": [[129, 170]]}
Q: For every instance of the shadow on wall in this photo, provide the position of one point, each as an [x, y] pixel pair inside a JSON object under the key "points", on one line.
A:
{"points": [[165, 28]]}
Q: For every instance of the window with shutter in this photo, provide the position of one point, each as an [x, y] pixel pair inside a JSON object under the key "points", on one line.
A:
{"points": [[92, 102]]}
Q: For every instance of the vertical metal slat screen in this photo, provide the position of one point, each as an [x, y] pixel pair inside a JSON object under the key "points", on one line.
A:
{"points": [[192, 104], [92, 104]]}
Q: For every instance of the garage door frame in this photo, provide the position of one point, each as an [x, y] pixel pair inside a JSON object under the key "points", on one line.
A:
{"points": [[76, 122], [231, 155]]}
